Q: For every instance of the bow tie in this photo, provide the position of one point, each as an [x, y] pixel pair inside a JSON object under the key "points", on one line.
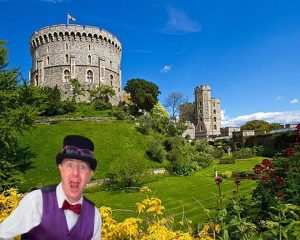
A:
{"points": [[76, 208]]}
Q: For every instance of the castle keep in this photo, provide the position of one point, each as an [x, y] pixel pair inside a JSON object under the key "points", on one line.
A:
{"points": [[204, 114], [62, 52]]}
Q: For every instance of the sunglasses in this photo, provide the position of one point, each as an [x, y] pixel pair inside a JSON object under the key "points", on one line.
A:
{"points": [[72, 150]]}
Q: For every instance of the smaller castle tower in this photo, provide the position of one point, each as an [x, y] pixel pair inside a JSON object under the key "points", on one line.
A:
{"points": [[204, 113]]}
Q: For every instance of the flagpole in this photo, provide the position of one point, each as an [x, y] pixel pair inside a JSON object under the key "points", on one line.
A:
{"points": [[67, 19]]}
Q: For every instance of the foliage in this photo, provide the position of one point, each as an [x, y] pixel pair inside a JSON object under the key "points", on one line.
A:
{"points": [[156, 151], [203, 146], [15, 117], [102, 93], [159, 111], [227, 161], [260, 126], [243, 153], [101, 105], [218, 153], [76, 88], [173, 101], [127, 172], [143, 94]]}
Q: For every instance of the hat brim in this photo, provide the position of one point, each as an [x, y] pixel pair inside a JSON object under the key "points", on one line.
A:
{"points": [[91, 161]]}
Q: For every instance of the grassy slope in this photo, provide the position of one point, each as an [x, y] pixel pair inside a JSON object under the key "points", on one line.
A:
{"points": [[113, 140], [180, 194]]}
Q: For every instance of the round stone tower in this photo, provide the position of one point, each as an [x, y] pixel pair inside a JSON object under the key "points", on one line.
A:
{"points": [[62, 52]]}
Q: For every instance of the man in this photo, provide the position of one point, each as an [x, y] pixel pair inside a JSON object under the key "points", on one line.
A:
{"points": [[60, 212]]}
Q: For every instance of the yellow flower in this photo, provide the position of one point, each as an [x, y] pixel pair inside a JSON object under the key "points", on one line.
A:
{"points": [[145, 190]]}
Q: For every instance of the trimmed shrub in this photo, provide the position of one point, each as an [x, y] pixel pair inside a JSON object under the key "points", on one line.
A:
{"points": [[119, 114], [68, 106], [227, 161], [203, 160], [226, 174]]}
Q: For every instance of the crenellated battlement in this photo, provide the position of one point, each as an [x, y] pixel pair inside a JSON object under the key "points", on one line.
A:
{"points": [[81, 33]]}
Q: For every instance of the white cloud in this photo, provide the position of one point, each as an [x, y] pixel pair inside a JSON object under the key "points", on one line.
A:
{"points": [[166, 68], [278, 117], [293, 101], [278, 98], [179, 22]]}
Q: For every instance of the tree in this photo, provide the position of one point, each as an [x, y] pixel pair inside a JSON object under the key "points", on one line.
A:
{"points": [[76, 88], [15, 117], [260, 126], [173, 101], [102, 93], [144, 94]]}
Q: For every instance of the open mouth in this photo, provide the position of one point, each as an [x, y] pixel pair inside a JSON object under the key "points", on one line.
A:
{"points": [[74, 186]]}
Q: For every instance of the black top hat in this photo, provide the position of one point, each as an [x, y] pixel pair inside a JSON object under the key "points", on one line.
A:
{"points": [[77, 147]]}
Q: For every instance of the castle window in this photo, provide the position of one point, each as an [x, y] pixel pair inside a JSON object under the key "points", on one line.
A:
{"points": [[110, 64], [201, 119], [215, 127], [47, 49], [89, 47], [67, 47], [89, 59], [89, 76], [215, 111], [200, 103], [214, 104], [48, 60], [215, 119], [201, 128], [67, 75], [67, 58]]}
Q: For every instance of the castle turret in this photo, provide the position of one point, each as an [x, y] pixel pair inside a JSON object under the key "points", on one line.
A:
{"points": [[61, 52]]}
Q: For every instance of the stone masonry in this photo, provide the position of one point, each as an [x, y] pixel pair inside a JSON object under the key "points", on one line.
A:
{"points": [[90, 54], [204, 113]]}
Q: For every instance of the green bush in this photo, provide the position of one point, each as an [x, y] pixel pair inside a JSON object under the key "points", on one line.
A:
{"points": [[243, 153], [127, 172], [203, 160], [119, 114], [68, 106], [218, 152], [101, 105], [227, 161], [156, 151]]}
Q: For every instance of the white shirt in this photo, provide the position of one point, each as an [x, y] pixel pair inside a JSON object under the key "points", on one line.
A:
{"points": [[29, 215]]}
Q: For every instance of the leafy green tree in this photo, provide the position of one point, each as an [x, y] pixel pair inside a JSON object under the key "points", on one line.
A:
{"points": [[102, 93], [15, 117], [52, 102], [144, 94], [260, 126], [76, 88]]}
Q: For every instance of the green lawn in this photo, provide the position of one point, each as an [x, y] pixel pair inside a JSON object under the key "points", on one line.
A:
{"points": [[179, 194], [113, 140]]}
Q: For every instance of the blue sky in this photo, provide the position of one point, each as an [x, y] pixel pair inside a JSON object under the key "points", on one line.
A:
{"points": [[248, 51]]}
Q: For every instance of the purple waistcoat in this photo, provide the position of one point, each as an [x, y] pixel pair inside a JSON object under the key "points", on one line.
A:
{"points": [[53, 224]]}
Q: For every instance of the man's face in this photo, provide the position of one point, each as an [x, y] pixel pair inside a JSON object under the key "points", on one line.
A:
{"points": [[75, 174]]}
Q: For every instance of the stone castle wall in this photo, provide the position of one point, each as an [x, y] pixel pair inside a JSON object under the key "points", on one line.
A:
{"points": [[61, 52]]}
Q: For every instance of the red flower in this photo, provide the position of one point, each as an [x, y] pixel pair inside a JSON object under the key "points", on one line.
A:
{"points": [[258, 169], [265, 177], [218, 180], [281, 195], [267, 163], [279, 181], [237, 181], [290, 152], [297, 143]]}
